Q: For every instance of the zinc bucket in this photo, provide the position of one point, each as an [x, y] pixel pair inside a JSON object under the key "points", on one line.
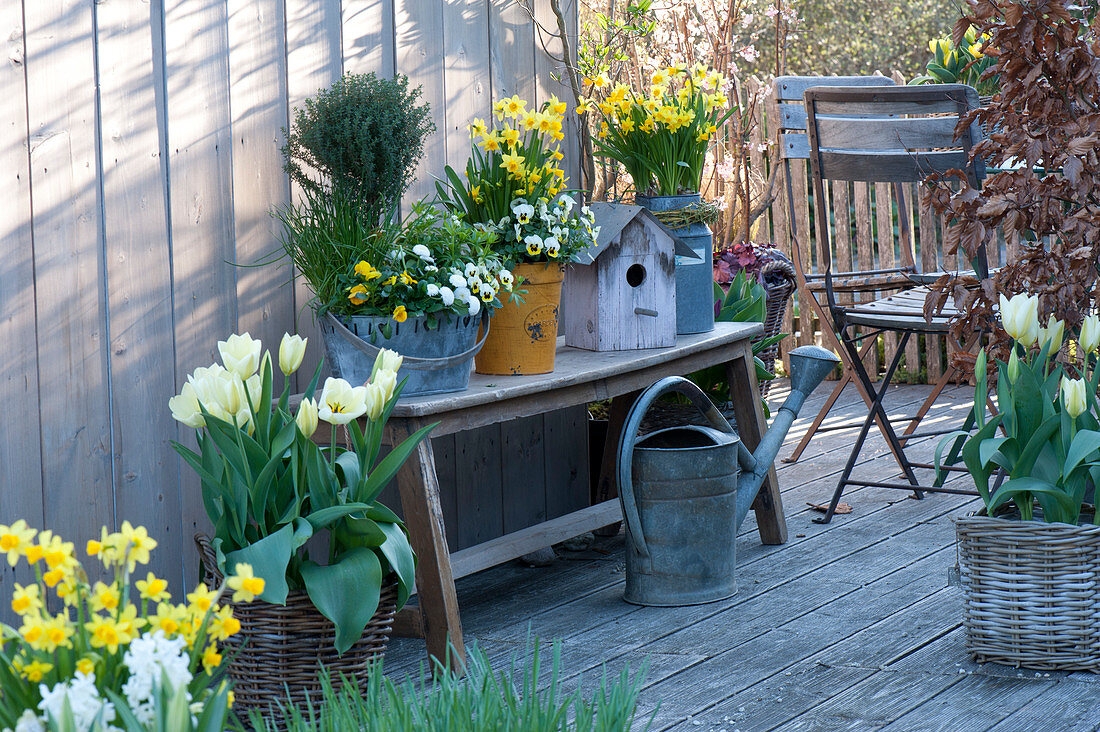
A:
{"points": [[524, 335], [694, 275], [436, 360]]}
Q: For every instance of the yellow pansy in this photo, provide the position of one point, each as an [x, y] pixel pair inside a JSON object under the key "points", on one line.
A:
{"points": [[246, 585], [389, 281], [400, 314], [407, 279], [153, 588], [367, 271], [15, 539], [358, 295]]}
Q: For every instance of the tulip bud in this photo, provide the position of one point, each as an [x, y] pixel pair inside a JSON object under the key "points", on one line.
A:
{"points": [[386, 381], [240, 354], [376, 401], [1020, 317], [185, 407], [981, 364], [1013, 366], [1073, 394], [292, 350], [386, 360], [307, 417], [1054, 333], [1090, 334]]}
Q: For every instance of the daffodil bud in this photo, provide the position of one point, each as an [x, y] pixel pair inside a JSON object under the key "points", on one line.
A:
{"points": [[1090, 334], [1073, 394], [240, 354], [307, 417], [1020, 316], [292, 350]]}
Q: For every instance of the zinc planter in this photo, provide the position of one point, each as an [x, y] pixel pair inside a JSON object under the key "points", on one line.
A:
{"points": [[694, 277], [1032, 592], [436, 360], [523, 336]]}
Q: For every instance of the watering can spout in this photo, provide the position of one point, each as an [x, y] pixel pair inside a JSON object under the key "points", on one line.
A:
{"points": [[809, 365]]}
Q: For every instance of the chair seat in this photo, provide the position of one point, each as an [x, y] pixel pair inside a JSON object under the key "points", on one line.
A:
{"points": [[901, 311]]}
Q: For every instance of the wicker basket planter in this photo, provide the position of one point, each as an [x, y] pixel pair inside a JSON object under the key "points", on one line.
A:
{"points": [[279, 652], [1032, 592]]}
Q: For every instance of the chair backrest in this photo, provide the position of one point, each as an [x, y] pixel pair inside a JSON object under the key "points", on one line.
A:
{"points": [[793, 147], [895, 135]]}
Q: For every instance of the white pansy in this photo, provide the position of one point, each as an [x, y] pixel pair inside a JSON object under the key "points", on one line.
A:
{"points": [[523, 212], [432, 289], [457, 280], [566, 202], [430, 268], [506, 279], [462, 294], [471, 270], [447, 295], [475, 305]]}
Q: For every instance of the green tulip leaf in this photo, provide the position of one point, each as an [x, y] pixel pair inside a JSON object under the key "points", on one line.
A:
{"points": [[399, 553], [1085, 443], [1055, 501], [269, 557], [346, 592], [387, 468], [378, 512], [326, 516]]}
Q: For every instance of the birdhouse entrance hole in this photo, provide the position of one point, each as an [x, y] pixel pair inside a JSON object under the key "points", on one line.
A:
{"points": [[635, 275]]}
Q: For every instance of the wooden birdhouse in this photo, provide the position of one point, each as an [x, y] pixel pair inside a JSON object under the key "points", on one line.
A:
{"points": [[620, 293]]}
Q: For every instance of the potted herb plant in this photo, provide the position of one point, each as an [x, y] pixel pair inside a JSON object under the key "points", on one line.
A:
{"points": [[1030, 559], [661, 138], [268, 488], [515, 191]]}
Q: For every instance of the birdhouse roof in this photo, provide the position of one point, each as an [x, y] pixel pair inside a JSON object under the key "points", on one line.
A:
{"points": [[612, 218]]}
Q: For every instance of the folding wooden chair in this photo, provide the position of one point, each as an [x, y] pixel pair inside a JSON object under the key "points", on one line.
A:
{"points": [[794, 152], [894, 136]]}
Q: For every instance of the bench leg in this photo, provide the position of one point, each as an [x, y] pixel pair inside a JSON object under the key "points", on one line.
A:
{"points": [[751, 426], [435, 587]]}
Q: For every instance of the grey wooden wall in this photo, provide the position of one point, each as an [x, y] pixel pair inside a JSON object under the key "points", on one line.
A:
{"points": [[139, 157]]}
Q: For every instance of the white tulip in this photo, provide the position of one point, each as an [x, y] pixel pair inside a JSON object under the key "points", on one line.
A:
{"points": [[292, 350], [376, 402], [1020, 316], [340, 402], [185, 407], [1054, 333], [307, 417], [240, 354], [1073, 394], [1090, 334], [386, 380], [387, 360]]}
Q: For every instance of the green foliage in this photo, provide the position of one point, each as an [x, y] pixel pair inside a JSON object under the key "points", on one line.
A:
{"points": [[744, 302], [962, 64], [1047, 448], [173, 713], [863, 36], [364, 135], [517, 699]]}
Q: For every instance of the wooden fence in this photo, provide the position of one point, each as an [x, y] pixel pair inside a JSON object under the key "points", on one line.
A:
{"points": [[139, 158]]}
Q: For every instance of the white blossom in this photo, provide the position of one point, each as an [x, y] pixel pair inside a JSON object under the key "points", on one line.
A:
{"points": [[433, 290], [447, 295], [457, 280], [151, 658], [84, 703], [423, 252]]}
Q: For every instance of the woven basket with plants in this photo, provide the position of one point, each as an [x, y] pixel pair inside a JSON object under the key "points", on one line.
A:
{"points": [[269, 488]]}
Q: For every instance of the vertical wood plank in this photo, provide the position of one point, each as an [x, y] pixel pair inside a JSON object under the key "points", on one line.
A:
{"points": [[884, 221], [929, 262], [910, 256], [138, 280], [781, 236], [865, 253], [524, 472], [367, 36], [69, 288], [444, 448], [551, 78], [465, 76], [20, 449], [757, 136], [478, 485], [804, 239], [511, 51], [204, 285], [568, 480], [314, 60], [257, 93], [419, 41]]}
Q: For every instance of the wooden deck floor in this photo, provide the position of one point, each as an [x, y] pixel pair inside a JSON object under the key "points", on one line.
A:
{"points": [[847, 626]]}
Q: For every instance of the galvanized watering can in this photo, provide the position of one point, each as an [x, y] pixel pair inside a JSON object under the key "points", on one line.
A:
{"points": [[686, 490]]}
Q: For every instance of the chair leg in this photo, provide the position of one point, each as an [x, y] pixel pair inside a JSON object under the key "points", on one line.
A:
{"points": [[949, 373], [875, 412]]}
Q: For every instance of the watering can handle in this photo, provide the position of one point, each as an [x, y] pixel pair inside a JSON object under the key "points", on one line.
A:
{"points": [[629, 439], [411, 362]]}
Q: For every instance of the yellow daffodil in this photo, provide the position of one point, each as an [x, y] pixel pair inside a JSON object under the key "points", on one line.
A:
{"points": [[556, 105], [26, 599], [168, 619], [511, 163], [55, 551], [245, 585], [475, 194], [54, 577], [137, 544], [86, 665], [477, 127], [34, 671], [510, 136], [557, 155], [367, 271], [223, 625], [211, 659], [626, 125], [202, 598], [400, 314], [490, 142], [59, 633], [153, 588], [104, 597], [292, 350], [659, 78], [514, 106], [15, 539], [600, 81], [93, 547]]}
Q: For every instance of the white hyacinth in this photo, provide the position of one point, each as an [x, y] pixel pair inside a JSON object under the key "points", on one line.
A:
{"points": [[152, 658], [84, 703]]}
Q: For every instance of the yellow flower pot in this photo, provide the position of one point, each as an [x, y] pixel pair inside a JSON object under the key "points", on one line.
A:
{"points": [[523, 335]]}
